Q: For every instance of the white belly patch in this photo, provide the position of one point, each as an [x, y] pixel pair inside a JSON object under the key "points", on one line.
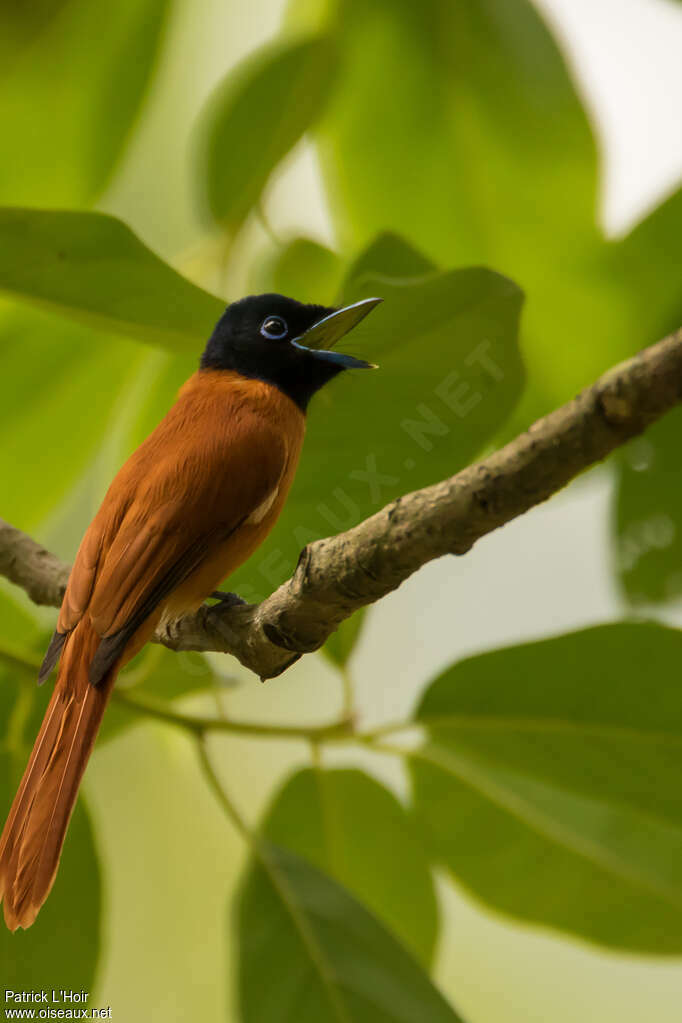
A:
{"points": [[259, 513]]}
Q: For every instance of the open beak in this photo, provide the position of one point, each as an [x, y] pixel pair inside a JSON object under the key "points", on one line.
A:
{"points": [[324, 334]]}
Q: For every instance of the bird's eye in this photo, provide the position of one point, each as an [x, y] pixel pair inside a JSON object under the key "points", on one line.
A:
{"points": [[274, 328]]}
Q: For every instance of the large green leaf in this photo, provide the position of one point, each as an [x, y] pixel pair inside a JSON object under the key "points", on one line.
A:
{"points": [[20, 24], [349, 826], [328, 959], [466, 99], [66, 381], [255, 117], [450, 375], [92, 268], [475, 147], [72, 84], [550, 783]]}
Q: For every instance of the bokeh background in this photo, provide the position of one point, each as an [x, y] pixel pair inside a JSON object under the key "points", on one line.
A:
{"points": [[483, 135]]}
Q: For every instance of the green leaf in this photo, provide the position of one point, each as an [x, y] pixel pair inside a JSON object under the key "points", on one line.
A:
{"points": [[72, 84], [473, 86], [352, 828], [341, 643], [479, 153], [17, 624], [153, 392], [92, 268], [647, 264], [22, 23], [255, 117], [389, 255], [20, 644], [648, 514], [305, 270], [61, 949], [328, 958], [450, 375], [550, 784], [48, 441]]}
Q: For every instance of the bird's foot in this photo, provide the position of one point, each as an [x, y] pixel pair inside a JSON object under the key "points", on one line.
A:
{"points": [[227, 599]]}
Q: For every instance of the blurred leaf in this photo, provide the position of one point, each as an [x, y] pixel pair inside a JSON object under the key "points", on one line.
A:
{"points": [[455, 89], [450, 375], [328, 958], [389, 255], [475, 147], [550, 783], [648, 519], [255, 117], [305, 270], [65, 383], [341, 643], [20, 23], [352, 828], [70, 95], [92, 268], [16, 623], [161, 393], [61, 949], [20, 642], [648, 264]]}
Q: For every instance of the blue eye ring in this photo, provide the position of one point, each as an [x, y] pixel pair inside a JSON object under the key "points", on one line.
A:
{"points": [[274, 328]]}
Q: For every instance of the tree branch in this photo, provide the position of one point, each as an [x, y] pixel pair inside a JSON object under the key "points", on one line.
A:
{"points": [[336, 576]]}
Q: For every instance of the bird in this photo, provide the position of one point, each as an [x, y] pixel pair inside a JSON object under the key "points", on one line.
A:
{"points": [[189, 506]]}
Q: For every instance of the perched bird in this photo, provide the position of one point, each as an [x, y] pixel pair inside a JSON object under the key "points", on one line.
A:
{"points": [[187, 508]]}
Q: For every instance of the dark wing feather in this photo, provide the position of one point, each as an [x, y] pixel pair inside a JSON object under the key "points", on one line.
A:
{"points": [[52, 655]]}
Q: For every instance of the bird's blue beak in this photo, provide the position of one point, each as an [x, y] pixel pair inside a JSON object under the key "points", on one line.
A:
{"points": [[324, 334]]}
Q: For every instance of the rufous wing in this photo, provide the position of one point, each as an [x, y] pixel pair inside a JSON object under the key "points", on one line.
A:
{"points": [[170, 509]]}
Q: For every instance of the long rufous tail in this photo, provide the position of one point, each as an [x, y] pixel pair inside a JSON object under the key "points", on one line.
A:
{"points": [[33, 836]]}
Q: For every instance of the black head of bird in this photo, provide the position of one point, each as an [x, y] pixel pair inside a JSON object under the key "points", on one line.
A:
{"points": [[285, 342]]}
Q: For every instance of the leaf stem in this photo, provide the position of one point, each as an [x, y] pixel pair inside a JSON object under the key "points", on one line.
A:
{"points": [[221, 795], [342, 728], [394, 751], [388, 729]]}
